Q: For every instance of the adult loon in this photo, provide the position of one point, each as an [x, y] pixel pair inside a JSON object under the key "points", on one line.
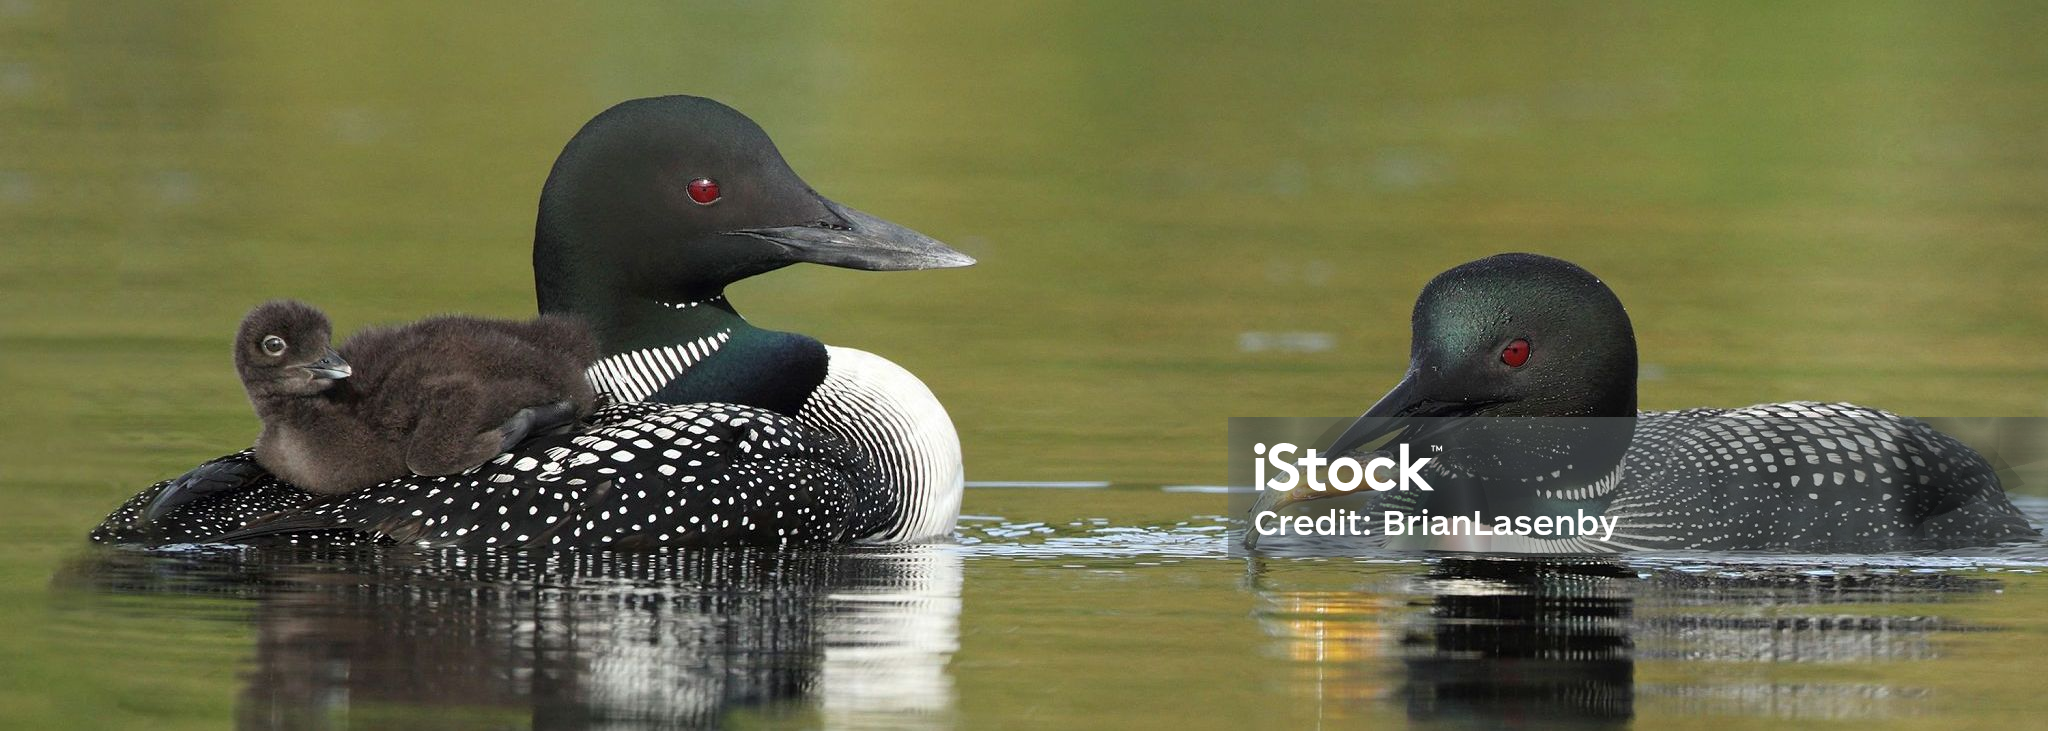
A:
{"points": [[652, 209], [1519, 335]]}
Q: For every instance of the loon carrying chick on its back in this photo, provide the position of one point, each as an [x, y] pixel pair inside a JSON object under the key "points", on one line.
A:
{"points": [[652, 209], [1521, 335]]}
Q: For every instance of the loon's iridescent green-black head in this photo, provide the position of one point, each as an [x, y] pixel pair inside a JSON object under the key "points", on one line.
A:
{"points": [[1512, 335], [670, 199]]}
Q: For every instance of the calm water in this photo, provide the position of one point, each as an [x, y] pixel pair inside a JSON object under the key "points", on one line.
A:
{"points": [[1036, 618], [1184, 212]]}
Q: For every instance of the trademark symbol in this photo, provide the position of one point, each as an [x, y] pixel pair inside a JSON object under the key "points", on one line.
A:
{"points": [[1436, 447]]}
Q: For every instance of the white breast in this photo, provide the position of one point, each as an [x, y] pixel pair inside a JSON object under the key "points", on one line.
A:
{"points": [[894, 420]]}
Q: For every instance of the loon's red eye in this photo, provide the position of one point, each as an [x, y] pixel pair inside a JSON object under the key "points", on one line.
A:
{"points": [[704, 191], [1516, 353]]}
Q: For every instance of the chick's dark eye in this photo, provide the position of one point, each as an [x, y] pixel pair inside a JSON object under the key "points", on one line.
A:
{"points": [[1516, 353], [273, 345], [704, 191]]}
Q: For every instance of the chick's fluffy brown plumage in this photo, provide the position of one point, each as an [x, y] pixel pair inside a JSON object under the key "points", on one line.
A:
{"points": [[434, 397]]}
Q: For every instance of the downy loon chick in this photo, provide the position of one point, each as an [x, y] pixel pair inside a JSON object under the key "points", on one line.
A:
{"points": [[1523, 335], [435, 397]]}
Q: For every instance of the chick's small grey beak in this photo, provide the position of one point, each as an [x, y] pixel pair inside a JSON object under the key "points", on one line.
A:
{"points": [[330, 365], [860, 241]]}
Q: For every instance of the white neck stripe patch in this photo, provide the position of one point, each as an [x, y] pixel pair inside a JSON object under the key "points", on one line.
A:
{"points": [[636, 375]]}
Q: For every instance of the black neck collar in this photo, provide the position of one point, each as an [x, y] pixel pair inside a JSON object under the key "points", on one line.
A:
{"points": [[625, 323]]}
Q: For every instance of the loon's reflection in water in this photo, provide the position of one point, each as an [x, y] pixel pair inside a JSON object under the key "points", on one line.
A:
{"points": [[1486, 642], [853, 637]]}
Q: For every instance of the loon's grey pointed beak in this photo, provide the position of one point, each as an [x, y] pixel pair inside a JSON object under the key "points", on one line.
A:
{"points": [[860, 241], [330, 365], [1408, 411], [1386, 417], [1409, 415], [1382, 419]]}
